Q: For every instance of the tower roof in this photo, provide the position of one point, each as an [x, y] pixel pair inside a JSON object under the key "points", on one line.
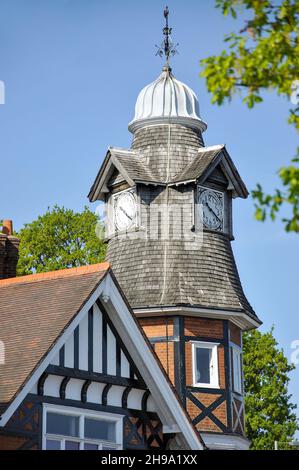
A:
{"points": [[167, 100]]}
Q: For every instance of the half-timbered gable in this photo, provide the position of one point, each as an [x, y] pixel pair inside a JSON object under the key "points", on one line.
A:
{"points": [[94, 382]]}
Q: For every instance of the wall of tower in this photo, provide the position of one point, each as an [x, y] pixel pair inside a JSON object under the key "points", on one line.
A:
{"points": [[212, 410], [167, 146]]}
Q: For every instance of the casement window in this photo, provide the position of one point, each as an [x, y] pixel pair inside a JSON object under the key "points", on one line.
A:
{"points": [[205, 364], [66, 428], [237, 370]]}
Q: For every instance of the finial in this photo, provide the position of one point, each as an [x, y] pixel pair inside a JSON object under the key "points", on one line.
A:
{"points": [[167, 47]]}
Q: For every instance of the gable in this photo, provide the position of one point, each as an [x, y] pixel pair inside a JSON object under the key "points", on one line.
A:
{"points": [[218, 177], [34, 311], [104, 326], [213, 163], [94, 352], [121, 163], [115, 178]]}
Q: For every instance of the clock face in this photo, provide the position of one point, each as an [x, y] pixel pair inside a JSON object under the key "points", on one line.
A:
{"points": [[212, 208], [124, 211]]}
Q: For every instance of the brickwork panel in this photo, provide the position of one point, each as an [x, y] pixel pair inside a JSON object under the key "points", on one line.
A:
{"points": [[165, 352], [157, 327], [235, 334], [203, 327]]}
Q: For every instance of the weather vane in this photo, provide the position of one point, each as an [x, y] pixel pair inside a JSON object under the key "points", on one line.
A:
{"points": [[167, 47]]}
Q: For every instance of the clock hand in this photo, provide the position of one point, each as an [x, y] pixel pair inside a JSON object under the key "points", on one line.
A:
{"points": [[126, 213], [211, 210]]}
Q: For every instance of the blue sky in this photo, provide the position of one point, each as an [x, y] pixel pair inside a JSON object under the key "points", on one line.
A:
{"points": [[72, 71]]}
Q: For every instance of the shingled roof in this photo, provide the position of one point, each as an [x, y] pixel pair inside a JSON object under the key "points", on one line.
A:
{"points": [[132, 163], [202, 278], [131, 166], [35, 310], [199, 164], [206, 160]]}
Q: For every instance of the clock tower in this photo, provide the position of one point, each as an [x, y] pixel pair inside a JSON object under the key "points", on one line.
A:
{"points": [[169, 232]]}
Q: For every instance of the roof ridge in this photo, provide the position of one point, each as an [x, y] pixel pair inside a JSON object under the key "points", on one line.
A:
{"points": [[60, 273], [211, 147], [121, 150]]}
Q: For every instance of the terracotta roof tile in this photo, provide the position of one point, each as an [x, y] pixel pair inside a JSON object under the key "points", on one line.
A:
{"points": [[93, 268], [34, 311]]}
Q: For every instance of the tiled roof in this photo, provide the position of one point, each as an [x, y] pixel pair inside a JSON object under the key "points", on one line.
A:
{"points": [[199, 164], [133, 165], [206, 277], [34, 311]]}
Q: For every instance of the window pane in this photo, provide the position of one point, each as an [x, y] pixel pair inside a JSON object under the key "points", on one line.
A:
{"points": [[52, 445], [98, 429], [72, 445], [203, 360], [237, 371], [90, 446], [65, 425], [108, 448]]}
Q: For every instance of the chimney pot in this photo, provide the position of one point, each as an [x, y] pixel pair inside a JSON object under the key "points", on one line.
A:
{"points": [[7, 227]]}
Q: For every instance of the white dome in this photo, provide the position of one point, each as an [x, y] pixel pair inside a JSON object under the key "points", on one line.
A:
{"points": [[167, 100]]}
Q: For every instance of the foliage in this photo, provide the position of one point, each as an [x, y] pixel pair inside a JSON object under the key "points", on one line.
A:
{"points": [[290, 196], [264, 55], [269, 411], [61, 238]]}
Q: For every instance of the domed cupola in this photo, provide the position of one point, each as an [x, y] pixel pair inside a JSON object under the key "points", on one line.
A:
{"points": [[167, 100]]}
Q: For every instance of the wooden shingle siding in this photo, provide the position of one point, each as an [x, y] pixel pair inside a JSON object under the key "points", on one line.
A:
{"points": [[153, 142]]}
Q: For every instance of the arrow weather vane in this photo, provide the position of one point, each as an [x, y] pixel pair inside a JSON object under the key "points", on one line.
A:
{"points": [[167, 47]]}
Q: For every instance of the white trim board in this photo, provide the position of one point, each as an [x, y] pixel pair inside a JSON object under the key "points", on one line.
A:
{"points": [[225, 442], [241, 319]]}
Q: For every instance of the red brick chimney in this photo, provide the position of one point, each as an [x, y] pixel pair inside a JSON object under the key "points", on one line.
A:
{"points": [[9, 251]]}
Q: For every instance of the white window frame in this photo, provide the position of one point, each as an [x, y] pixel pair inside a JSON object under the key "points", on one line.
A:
{"points": [[237, 379], [82, 413], [214, 373]]}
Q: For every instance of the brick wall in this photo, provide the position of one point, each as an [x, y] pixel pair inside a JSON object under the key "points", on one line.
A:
{"points": [[161, 328], [196, 329], [9, 253], [204, 327], [12, 442], [165, 352], [157, 327], [235, 334]]}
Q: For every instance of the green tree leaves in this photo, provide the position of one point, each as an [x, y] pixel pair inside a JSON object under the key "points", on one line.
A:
{"points": [[59, 239], [269, 205], [264, 55], [269, 411]]}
